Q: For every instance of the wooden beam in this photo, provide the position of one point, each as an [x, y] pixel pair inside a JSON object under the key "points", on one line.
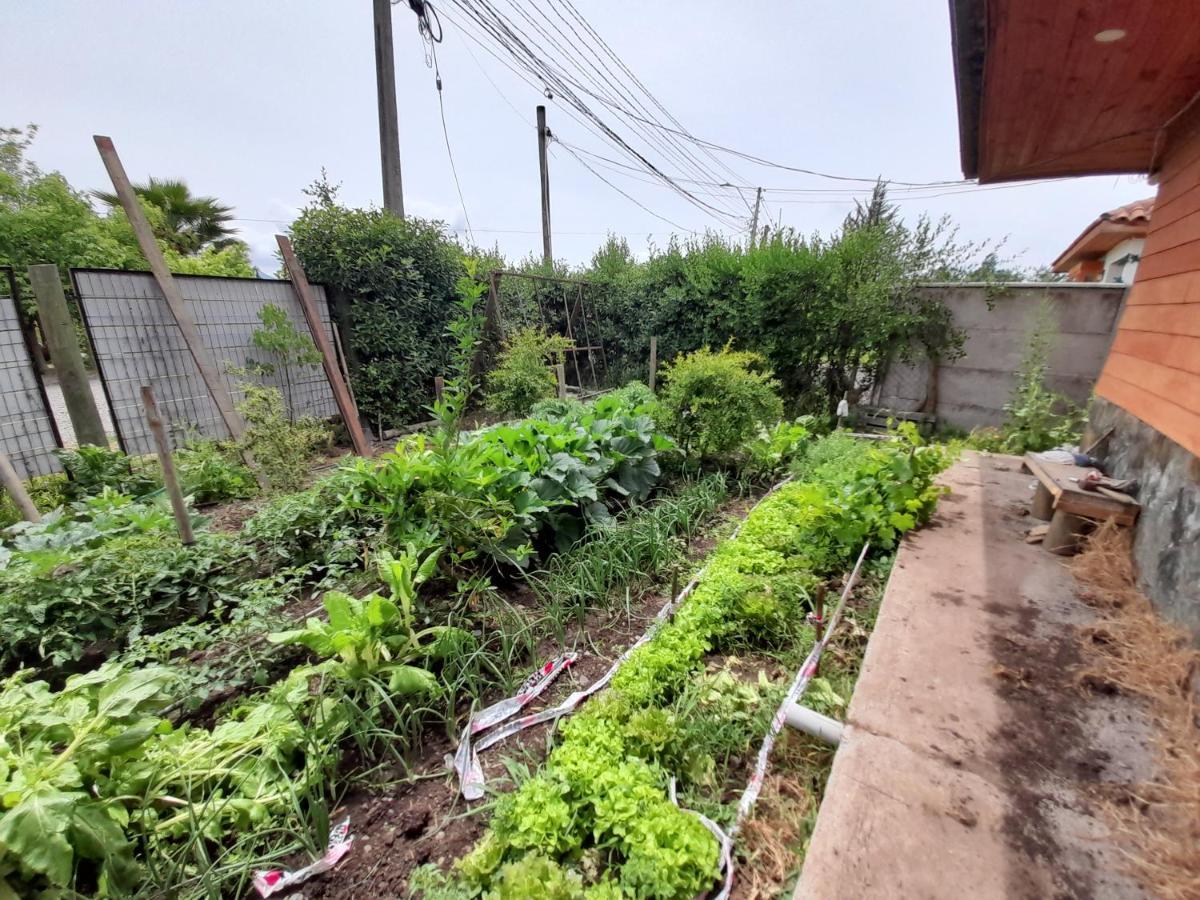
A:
{"points": [[63, 343], [170, 479], [341, 393], [166, 284], [16, 489]]}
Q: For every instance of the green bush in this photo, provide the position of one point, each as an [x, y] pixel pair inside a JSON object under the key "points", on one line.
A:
{"points": [[555, 408], [210, 473], [282, 449], [47, 492], [91, 469], [712, 403], [523, 375], [396, 278]]}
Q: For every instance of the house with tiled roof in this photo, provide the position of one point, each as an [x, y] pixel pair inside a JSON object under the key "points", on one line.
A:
{"points": [[1110, 248]]}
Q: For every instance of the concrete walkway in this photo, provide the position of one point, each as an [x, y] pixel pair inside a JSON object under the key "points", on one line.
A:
{"points": [[974, 762]]}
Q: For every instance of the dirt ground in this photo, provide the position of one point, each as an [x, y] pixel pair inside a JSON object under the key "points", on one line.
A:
{"points": [[984, 741]]}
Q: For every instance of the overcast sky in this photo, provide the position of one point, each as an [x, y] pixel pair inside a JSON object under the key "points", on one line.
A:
{"points": [[248, 99]]}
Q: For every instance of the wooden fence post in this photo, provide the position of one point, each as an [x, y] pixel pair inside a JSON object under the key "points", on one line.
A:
{"points": [[170, 478], [341, 393], [560, 373], [62, 341], [166, 284], [653, 361], [16, 489], [439, 388]]}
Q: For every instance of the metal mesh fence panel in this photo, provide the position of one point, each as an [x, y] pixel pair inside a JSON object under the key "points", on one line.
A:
{"points": [[136, 341], [27, 430]]}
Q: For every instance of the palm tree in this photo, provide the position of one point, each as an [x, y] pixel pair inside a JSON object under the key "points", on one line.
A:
{"points": [[189, 223]]}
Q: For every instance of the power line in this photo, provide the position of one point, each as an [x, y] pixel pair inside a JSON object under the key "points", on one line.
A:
{"points": [[558, 84], [637, 203]]}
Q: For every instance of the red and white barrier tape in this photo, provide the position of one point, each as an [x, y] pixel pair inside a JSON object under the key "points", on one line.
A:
{"points": [[795, 692], [273, 881]]}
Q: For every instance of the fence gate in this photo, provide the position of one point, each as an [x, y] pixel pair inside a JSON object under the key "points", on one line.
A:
{"points": [[136, 341], [28, 432]]}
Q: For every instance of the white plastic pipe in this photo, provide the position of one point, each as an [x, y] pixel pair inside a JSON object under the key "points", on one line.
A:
{"points": [[822, 727]]}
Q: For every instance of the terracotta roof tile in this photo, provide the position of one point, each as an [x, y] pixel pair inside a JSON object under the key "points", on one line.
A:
{"points": [[1135, 213]]}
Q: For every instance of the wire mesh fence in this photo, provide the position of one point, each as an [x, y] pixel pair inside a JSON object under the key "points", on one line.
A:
{"points": [[28, 434], [136, 341]]}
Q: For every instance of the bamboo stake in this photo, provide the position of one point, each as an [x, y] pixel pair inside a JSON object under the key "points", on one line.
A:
{"points": [[170, 478], [16, 489]]}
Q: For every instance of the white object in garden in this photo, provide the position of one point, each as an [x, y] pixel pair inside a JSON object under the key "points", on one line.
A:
{"points": [[275, 880]]}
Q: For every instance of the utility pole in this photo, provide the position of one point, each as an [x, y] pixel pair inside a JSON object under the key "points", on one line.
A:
{"points": [[754, 218], [389, 125], [543, 140]]}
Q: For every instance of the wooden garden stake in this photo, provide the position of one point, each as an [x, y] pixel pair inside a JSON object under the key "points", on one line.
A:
{"points": [[16, 489], [819, 621], [560, 372], [439, 388], [166, 284], [341, 393], [170, 478], [653, 362]]}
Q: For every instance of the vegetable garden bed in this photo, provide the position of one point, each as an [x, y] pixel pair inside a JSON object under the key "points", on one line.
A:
{"points": [[174, 721]]}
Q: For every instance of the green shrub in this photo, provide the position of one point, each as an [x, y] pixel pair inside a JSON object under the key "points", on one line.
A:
{"points": [[395, 278], [523, 375], [281, 449], [1039, 418], [210, 473], [712, 403], [91, 469], [47, 492]]}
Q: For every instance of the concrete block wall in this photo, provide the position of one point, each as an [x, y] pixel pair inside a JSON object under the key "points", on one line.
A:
{"points": [[972, 391]]}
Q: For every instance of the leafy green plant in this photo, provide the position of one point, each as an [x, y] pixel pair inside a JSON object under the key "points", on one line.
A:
{"points": [[374, 636], [1039, 418], [523, 373], [554, 408], [91, 469], [48, 492], [602, 789], [210, 473], [464, 331], [289, 348], [775, 449], [713, 402], [281, 448], [60, 755]]}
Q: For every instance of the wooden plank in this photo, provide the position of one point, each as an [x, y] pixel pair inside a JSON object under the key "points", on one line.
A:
{"points": [[1176, 351], [1177, 423], [1175, 385], [1164, 236], [1184, 257], [341, 393], [1174, 288], [166, 284], [1167, 318]]}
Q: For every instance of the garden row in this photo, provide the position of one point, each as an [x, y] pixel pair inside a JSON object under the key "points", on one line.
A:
{"points": [[598, 820], [108, 791]]}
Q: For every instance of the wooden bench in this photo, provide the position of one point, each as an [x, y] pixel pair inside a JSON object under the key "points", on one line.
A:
{"points": [[1068, 507], [877, 419]]}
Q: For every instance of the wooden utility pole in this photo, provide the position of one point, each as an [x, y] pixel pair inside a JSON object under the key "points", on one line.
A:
{"points": [[63, 343], [543, 164], [389, 124], [754, 218], [166, 284], [170, 479], [16, 489], [341, 392]]}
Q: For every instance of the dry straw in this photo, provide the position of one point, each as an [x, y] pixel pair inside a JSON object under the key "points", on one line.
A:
{"points": [[1145, 656]]}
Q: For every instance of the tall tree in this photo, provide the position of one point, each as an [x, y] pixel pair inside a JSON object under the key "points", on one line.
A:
{"points": [[189, 223], [876, 211]]}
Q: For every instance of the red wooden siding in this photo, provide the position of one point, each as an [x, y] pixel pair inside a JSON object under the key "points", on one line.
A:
{"points": [[1153, 370]]}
